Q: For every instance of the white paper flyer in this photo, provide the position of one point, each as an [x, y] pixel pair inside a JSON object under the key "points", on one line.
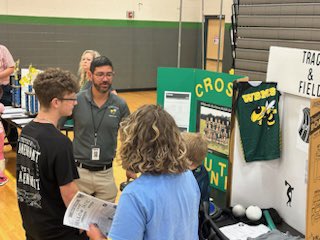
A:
{"points": [[85, 209]]}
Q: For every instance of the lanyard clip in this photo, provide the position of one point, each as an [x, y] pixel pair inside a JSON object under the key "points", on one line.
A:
{"points": [[95, 138]]}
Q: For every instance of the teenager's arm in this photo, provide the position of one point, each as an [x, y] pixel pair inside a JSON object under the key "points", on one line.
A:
{"points": [[68, 191]]}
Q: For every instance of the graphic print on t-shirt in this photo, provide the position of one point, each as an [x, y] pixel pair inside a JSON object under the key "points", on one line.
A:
{"points": [[28, 178]]}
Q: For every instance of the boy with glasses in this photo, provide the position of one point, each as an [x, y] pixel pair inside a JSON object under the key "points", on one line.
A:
{"points": [[45, 165]]}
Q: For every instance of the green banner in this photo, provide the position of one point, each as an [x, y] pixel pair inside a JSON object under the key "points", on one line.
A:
{"points": [[217, 168]]}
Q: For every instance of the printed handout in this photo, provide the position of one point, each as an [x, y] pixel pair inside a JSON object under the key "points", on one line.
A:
{"points": [[85, 209]]}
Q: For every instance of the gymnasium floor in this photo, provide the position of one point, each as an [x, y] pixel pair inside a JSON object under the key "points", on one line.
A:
{"points": [[11, 225]]}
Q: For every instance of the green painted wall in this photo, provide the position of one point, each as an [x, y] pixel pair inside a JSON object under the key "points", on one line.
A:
{"points": [[137, 48]]}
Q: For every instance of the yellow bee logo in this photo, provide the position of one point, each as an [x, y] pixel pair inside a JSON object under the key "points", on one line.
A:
{"points": [[264, 112], [113, 111]]}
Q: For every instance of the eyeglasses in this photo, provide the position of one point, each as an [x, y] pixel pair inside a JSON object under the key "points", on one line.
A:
{"points": [[68, 99], [102, 74]]}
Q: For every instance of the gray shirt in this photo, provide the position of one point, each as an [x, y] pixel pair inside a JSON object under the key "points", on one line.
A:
{"points": [[110, 114]]}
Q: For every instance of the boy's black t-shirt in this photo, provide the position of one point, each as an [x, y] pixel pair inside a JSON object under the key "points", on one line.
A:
{"points": [[44, 163]]}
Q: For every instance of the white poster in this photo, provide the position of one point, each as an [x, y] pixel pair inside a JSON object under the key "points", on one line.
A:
{"points": [[297, 71], [178, 104]]}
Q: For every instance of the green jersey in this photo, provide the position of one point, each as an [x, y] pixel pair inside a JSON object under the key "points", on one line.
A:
{"points": [[258, 117]]}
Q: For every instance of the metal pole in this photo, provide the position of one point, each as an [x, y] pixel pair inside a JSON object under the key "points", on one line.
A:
{"points": [[202, 36], [179, 38], [220, 27]]}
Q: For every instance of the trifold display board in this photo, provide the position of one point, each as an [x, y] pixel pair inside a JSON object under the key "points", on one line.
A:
{"points": [[290, 184], [200, 101]]}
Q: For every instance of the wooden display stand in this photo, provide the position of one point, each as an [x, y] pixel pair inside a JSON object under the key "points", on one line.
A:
{"points": [[290, 184]]}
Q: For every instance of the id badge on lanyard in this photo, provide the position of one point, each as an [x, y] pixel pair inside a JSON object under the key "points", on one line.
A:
{"points": [[95, 150], [95, 153]]}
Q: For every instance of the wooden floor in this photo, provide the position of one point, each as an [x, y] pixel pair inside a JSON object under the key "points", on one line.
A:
{"points": [[11, 226]]}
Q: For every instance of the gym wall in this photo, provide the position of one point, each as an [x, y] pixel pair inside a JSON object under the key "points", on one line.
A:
{"points": [[265, 23], [55, 33]]}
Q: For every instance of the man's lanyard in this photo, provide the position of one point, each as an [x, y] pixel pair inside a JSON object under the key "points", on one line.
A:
{"points": [[95, 130]]}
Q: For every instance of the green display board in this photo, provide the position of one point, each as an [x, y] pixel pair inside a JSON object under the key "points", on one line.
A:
{"points": [[210, 99]]}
